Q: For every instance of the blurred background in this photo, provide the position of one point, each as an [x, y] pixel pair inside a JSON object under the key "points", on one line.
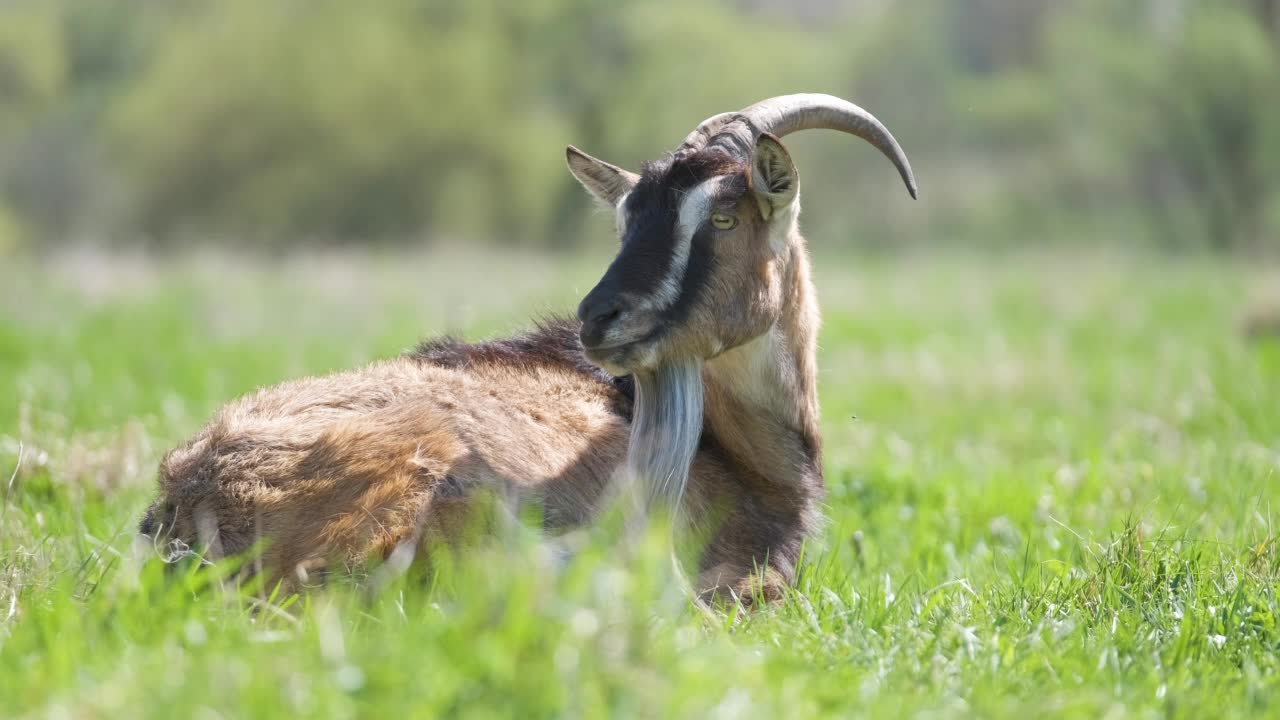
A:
{"points": [[307, 123], [1049, 387]]}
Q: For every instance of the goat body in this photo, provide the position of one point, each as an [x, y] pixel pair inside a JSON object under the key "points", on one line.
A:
{"points": [[689, 379], [340, 469]]}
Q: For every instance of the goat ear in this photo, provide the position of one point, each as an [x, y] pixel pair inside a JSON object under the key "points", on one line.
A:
{"points": [[608, 183], [774, 179]]}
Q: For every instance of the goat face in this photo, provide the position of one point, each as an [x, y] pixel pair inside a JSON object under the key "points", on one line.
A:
{"points": [[705, 235]]}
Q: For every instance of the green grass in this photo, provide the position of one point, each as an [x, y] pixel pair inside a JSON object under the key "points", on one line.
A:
{"points": [[1051, 486]]}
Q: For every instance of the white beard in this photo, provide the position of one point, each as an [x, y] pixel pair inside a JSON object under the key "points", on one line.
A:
{"points": [[665, 429]]}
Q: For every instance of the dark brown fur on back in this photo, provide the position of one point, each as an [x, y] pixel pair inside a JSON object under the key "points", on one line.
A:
{"points": [[553, 342]]}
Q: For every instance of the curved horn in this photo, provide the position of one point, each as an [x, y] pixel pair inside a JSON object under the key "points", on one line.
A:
{"points": [[706, 130], [786, 114]]}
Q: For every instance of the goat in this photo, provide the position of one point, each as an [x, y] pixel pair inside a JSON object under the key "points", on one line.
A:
{"points": [[689, 375]]}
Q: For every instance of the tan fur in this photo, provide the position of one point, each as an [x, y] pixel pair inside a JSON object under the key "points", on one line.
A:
{"points": [[337, 470], [342, 468], [762, 405]]}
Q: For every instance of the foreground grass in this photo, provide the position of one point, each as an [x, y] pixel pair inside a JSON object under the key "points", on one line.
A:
{"points": [[1050, 492]]}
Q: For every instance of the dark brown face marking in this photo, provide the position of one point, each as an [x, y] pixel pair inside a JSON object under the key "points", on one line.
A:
{"points": [[650, 244]]}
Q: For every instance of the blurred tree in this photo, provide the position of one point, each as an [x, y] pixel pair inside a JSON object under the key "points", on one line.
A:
{"points": [[1188, 117], [1268, 12], [326, 120], [33, 66], [291, 121], [33, 73]]}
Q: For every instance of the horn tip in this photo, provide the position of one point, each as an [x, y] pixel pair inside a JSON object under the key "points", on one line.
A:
{"points": [[909, 179]]}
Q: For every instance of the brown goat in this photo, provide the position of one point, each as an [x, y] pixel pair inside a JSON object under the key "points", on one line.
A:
{"points": [[688, 379]]}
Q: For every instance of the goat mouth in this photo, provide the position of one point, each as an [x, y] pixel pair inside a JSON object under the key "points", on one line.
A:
{"points": [[611, 347], [614, 351], [626, 356], [617, 358]]}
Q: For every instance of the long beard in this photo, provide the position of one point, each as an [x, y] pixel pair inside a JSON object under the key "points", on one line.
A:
{"points": [[665, 429]]}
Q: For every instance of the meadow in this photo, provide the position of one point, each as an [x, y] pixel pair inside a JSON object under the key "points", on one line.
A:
{"points": [[1050, 477]]}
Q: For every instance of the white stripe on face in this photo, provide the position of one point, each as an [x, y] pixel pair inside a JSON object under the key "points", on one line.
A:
{"points": [[695, 206]]}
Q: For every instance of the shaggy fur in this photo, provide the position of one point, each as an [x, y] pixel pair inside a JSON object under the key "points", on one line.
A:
{"points": [[721, 419], [337, 470], [665, 431]]}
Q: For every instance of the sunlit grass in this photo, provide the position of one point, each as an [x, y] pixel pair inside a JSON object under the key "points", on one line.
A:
{"points": [[1050, 490]]}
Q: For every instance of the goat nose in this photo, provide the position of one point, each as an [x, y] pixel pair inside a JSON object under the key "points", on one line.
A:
{"points": [[596, 316]]}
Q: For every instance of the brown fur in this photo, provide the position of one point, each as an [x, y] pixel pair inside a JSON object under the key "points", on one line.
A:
{"points": [[333, 471], [755, 320], [337, 470]]}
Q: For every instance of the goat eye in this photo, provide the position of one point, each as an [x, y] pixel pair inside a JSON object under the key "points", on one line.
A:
{"points": [[723, 221]]}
